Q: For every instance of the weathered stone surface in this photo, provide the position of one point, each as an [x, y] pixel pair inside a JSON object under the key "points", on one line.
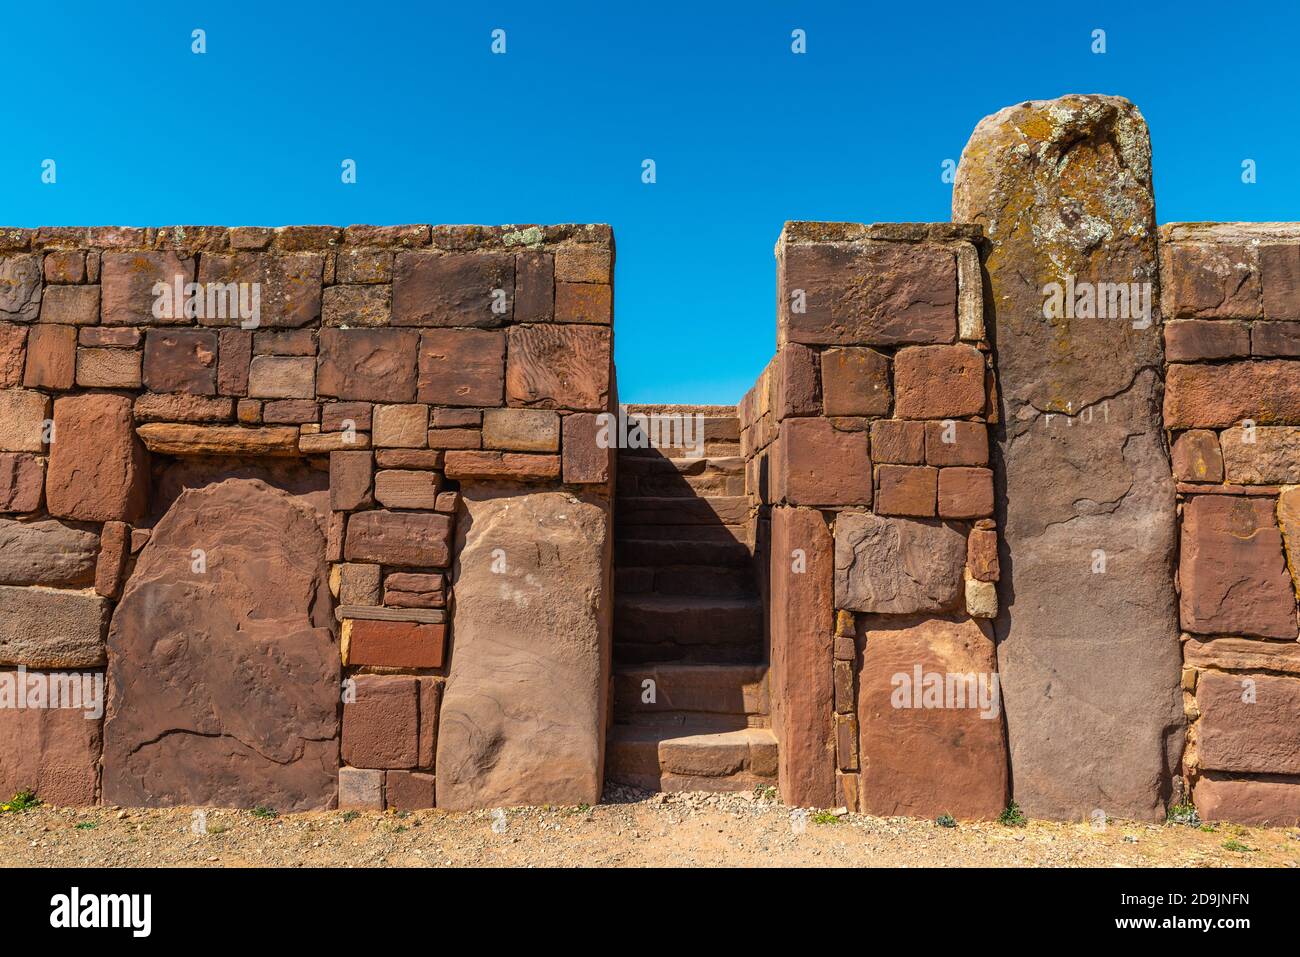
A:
{"points": [[534, 287], [521, 430], [374, 365], [115, 545], [128, 287], [181, 360], [462, 367], [956, 443], [1271, 802], [1197, 457], [1266, 455], [175, 439], [20, 288], [98, 471], [925, 753], [1288, 520], [1232, 569], [356, 305], [224, 684], [797, 385], [23, 413], [70, 305], [454, 289], [1213, 396], [282, 377], [1196, 340], [401, 426], [584, 302], [53, 752], [1242, 654], [51, 628], [410, 539], [1062, 189], [897, 566], [558, 367], [1248, 723], [818, 464], [361, 789], [12, 346], [394, 644], [938, 382], [981, 597], [236, 352], [965, 492], [801, 613], [1280, 280], [46, 552], [906, 490], [585, 460], [866, 294], [1275, 338], [354, 583], [351, 474], [982, 554], [854, 382], [405, 488], [898, 442], [502, 466], [1208, 281], [415, 590], [524, 709], [108, 368], [289, 283], [381, 728], [409, 790], [183, 407], [22, 482], [51, 357]]}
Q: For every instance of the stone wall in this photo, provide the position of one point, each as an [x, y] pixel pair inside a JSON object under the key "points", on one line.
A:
{"points": [[867, 462], [269, 526], [1231, 298]]}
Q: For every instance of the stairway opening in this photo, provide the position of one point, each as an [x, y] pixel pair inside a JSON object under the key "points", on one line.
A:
{"points": [[690, 671]]}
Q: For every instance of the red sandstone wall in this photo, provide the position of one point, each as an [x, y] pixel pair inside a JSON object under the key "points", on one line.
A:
{"points": [[1231, 299], [866, 441], [404, 366]]}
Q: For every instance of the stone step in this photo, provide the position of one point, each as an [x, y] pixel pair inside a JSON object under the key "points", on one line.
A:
{"points": [[680, 477], [690, 759], [687, 620], [687, 579], [631, 550], [723, 695], [681, 510]]}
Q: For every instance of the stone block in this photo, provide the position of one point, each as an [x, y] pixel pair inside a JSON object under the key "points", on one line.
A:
{"points": [[502, 466], [372, 365], [52, 628], [453, 289], [1265, 455], [381, 727], [108, 368], [462, 367], [51, 357], [534, 287], [965, 492], [20, 288], [181, 360], [419, 540], [585, 459], [1195, 340], [817, 464], [1196, 457], [938, 382], [409, 790], [351, 306], [401, 426], [521, 430], [22, 482], [906, 490], [350, 480], [98, 468], [1208, 281], [127, 281], [395, 644], [46, 552], [584, 302], [1214, 396], [52, 752], [282, 377], [1247, 723], [854, 382], [897, 566], [361, 789], [401, 488], [898, 442], [559, 367]]}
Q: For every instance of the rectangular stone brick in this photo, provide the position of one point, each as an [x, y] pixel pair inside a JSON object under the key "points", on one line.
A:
{"points": [[521, 430], [854, 382], [128, 279], [364, 266], [1275, 339], [502, 466], [584, 302], [361, 789], [938, 382], [415, 590], [457, 418], [906, 490], [285, 342], [236, 352], [534, 287], [65, 266], [381, 727], [409, 790], [430, 702], [280, 377], [357, 305], [108, 368], [22, 482], [558, 367], [183, 407], [1196, 457], [1192, 340], [453, 289], [52, 628], [120, 337], [1279, 267], [395, 644], [455, 438], [585, 461], [817, 464], [13, 340], [1265, 455], [401, 426], [356, 583], [584, 263], [956, 443], [373, 365], [350, 478], [342, 416], [1208, 281], [876, 294], [409, 458], [898, 442], [1255, 733], [797, 384], [409, 539], [51, 357], [20, 288], [288, 284], [1223, 394], [175, 439], [23, 414], [181, 360], [400, 488], [70, 305], [462, 367], [965, 492]]}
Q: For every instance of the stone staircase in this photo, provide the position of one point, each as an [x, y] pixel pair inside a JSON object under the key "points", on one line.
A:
{"points": [[690, 682]]}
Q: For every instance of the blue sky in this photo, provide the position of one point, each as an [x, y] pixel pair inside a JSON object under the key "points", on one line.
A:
{"points": [[744, 133]]}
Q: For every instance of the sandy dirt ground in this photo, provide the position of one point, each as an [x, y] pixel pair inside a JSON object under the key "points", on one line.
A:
{"points": [[629, 830]]}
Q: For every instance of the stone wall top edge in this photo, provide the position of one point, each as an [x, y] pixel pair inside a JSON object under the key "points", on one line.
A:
{"points": [[447, 238], [669, 408], [1227, 232], [800, 231]]}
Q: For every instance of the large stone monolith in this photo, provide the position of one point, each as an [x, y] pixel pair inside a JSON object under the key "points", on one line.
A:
{"points": [[1088, 636]]}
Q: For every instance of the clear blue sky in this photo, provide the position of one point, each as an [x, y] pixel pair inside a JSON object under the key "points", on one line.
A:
{"points": [[744, 133]]}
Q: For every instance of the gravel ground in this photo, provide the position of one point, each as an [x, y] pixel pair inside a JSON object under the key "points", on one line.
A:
{"points": [[630, 829]]}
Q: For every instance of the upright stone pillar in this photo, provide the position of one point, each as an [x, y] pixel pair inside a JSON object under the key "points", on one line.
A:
{"points": [[1088, 635]]}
